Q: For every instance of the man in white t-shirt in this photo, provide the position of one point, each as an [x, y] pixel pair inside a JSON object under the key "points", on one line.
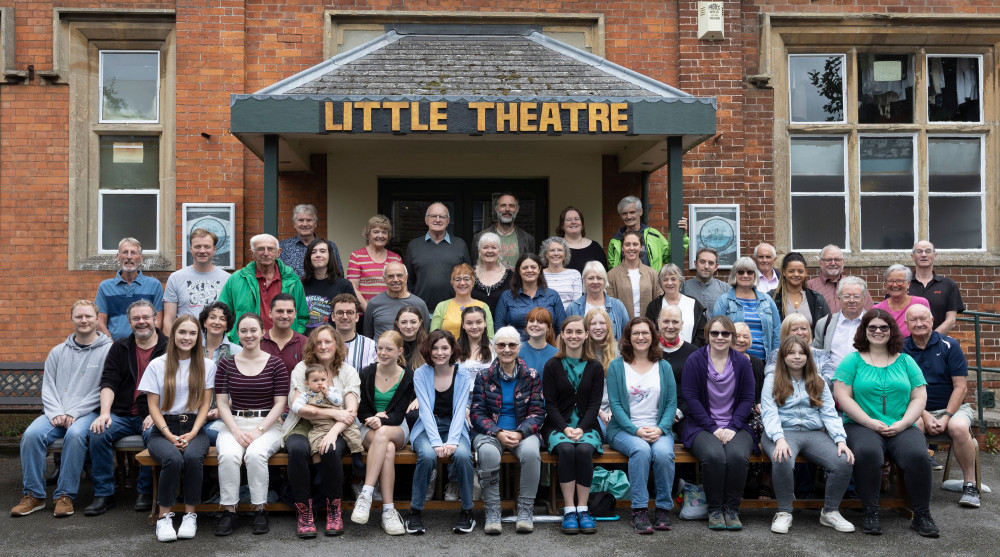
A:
{"points": [[360, 349], [197, 285]]}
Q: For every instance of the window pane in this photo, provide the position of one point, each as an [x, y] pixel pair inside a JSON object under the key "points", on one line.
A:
{"points": [[129, 86], [129, 215], [955, 222], [817, 164], [886, 222], [953, 89], [887, 164], [818, 221], [817, 88], [954, 164], [885, 88], [130, 162]]}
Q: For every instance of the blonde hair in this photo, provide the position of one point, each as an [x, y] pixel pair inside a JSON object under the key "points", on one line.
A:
{"points": [[396, 339], [604, 351]]}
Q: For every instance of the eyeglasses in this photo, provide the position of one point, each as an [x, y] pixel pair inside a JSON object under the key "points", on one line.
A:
{"points": [[342, 313], [878, 328], [832, 260], [463, 279], [895, 281], [850, 297], [507, 345], [923, 251], [745, 272], [438, 217], [723, 334], [641, 333]]}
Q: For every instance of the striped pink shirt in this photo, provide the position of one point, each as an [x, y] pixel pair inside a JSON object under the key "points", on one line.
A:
{"points": [[252, 393], [369, 273]]}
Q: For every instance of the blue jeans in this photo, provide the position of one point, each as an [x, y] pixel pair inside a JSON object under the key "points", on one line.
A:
{"points": [[34, 449], [427, 461], [212, 429], [102, 455], [640, 455]]}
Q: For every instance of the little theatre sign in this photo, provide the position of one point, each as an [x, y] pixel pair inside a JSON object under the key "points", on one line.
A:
{"points": [[475, 117]]}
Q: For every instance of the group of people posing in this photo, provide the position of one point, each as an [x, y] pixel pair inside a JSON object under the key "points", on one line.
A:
{"points": [[523, 353]]}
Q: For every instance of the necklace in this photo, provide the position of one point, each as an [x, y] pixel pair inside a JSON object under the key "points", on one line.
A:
{"points": [[882, 372]]}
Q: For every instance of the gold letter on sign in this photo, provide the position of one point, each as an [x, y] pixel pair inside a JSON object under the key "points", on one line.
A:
{"points": [[574, 114], [598, 113], [549, 117], [395, 107], [415, 125], [528, 116], [438, 117], [506, 116], [346, 120], [367, 108], [480, 109], [619, 118]]}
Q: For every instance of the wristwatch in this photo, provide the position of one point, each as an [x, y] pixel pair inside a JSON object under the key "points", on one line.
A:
{"points": [[949, 414], [260, 429]]}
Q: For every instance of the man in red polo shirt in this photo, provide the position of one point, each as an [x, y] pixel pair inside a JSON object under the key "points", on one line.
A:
{"points": [[280, 340]]}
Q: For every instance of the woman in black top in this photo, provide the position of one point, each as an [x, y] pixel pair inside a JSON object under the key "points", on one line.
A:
{"points": [[321, 282], [492, 278]]}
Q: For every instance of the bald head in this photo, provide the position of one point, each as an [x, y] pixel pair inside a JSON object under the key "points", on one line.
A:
{"points": [[395, 279], [923, 255], [920, 322]]}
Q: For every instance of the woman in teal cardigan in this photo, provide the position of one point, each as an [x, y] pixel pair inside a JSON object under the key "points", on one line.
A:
{"points": [[643, 398]]}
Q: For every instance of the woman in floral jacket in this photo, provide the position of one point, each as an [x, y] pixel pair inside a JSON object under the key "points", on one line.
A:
{"points": [[507, 413]]}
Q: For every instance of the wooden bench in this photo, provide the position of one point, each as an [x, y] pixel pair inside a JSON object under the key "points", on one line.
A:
{"points": [[126, 450], [896, 500]]}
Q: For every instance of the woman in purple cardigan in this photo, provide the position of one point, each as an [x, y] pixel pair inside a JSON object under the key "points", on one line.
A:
{"points": [[718, 386]]}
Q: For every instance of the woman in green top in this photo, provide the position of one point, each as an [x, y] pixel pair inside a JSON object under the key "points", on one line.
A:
{"points": [[882, 392], [386, 391], [572, 385]]}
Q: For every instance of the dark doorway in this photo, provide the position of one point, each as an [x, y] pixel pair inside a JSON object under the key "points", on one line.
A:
{"points": [[470, 201]]}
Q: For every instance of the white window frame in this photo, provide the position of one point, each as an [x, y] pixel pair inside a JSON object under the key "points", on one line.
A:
{"points": [[982, 107], [843, 87], [913, 193], [846, 191], [100, 85], [101, 193], [981, 194]]}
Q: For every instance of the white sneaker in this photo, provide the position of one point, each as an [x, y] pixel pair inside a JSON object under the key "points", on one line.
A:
{"points": [[361, 509], [781, 523], [189, 526], [835, 521], [392, 523], [451, 492], [165, 528]]}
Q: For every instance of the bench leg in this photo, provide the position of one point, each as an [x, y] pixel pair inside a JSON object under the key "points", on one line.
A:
{"points": [[153, 512]]}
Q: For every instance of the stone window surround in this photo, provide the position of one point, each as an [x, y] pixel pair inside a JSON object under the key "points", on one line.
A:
{"points": [[79, 34], [781, 35]]}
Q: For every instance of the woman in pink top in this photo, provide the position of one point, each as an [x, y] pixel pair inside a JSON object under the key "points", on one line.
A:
{"points": [[364, 268], [897, 282]]}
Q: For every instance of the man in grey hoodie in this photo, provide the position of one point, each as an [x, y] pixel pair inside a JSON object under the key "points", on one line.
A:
{"points": [[70, 398]]}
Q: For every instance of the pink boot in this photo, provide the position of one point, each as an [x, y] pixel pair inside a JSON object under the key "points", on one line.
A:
{"points": [[306, 524], [334, 518]]}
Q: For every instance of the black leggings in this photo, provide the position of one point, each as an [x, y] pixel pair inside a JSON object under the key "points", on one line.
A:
{"points": [[908, 450], [576, 463], [331, 469], [723, 467]]}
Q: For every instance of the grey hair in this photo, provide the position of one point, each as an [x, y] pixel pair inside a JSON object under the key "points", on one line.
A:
{"points": [[261, 238], [544, 248], [774, 252], [305, 208], [428, 211], [670, 307], [629, 200], [742, 264], [488, 237], [670, 269], [385, 268], [852, 281], [132, 241], [142, 302], [508, 334], [913, 249], [595, 267], [823, 251], [898, 267]]}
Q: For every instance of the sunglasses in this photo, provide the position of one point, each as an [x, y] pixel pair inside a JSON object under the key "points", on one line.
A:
{"points": [[507, 345], [878, 328], [723, 334], [744, 272]]}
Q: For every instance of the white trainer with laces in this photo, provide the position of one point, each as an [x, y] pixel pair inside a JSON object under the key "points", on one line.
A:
{"points": [[189, 526], [392, 523], [781, 523], [361, 509], [834, 520], [165, 528]]}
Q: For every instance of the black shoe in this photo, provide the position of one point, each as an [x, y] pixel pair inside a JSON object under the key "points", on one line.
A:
{"points": [[871, 524], [260, 522], [143, 503], [466, 522], [662, 519], [924, 525], [226, 524], [100, 505], [414, 523]]}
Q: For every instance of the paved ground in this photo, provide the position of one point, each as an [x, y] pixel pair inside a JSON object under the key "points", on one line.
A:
{"points": [[124, 532]]}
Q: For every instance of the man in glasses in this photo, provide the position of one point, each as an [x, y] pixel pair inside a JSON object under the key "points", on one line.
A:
{"points": [[835, 332], [360, 349], [431, 257], [941, 292], [831, 270]]}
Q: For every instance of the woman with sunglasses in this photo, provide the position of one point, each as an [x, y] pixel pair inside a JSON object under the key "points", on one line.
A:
{"points": [[882, 393], [718, 385], [745, 303]]}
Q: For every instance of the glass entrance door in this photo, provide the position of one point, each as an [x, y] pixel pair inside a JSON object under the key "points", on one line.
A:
{"points": [[470, 202]]}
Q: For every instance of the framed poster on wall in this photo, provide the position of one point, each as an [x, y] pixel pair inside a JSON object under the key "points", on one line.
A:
{"points": [[217, 218], [718, 227]]}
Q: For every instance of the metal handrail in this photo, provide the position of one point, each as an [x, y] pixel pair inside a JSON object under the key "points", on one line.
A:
{"points": [[978, 319]]}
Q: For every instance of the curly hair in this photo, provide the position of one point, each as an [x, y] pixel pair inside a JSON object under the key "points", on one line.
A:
{"points": [[309, 350], [861, 343]]}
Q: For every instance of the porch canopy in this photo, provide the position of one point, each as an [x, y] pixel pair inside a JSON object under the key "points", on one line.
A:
{"points": [[445, 85]]}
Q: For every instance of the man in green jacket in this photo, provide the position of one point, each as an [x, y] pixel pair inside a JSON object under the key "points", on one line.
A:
{"points": [[252, 288], [657, 252]]}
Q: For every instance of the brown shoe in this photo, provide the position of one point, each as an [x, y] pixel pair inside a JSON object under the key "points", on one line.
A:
{"points": [[27, 506], [64, 507]]}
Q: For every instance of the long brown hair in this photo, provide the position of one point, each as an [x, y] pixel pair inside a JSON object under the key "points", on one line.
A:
{"points": [[309, 350], [196, 370], [625, 344], [783, 387], [588, 352]]}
